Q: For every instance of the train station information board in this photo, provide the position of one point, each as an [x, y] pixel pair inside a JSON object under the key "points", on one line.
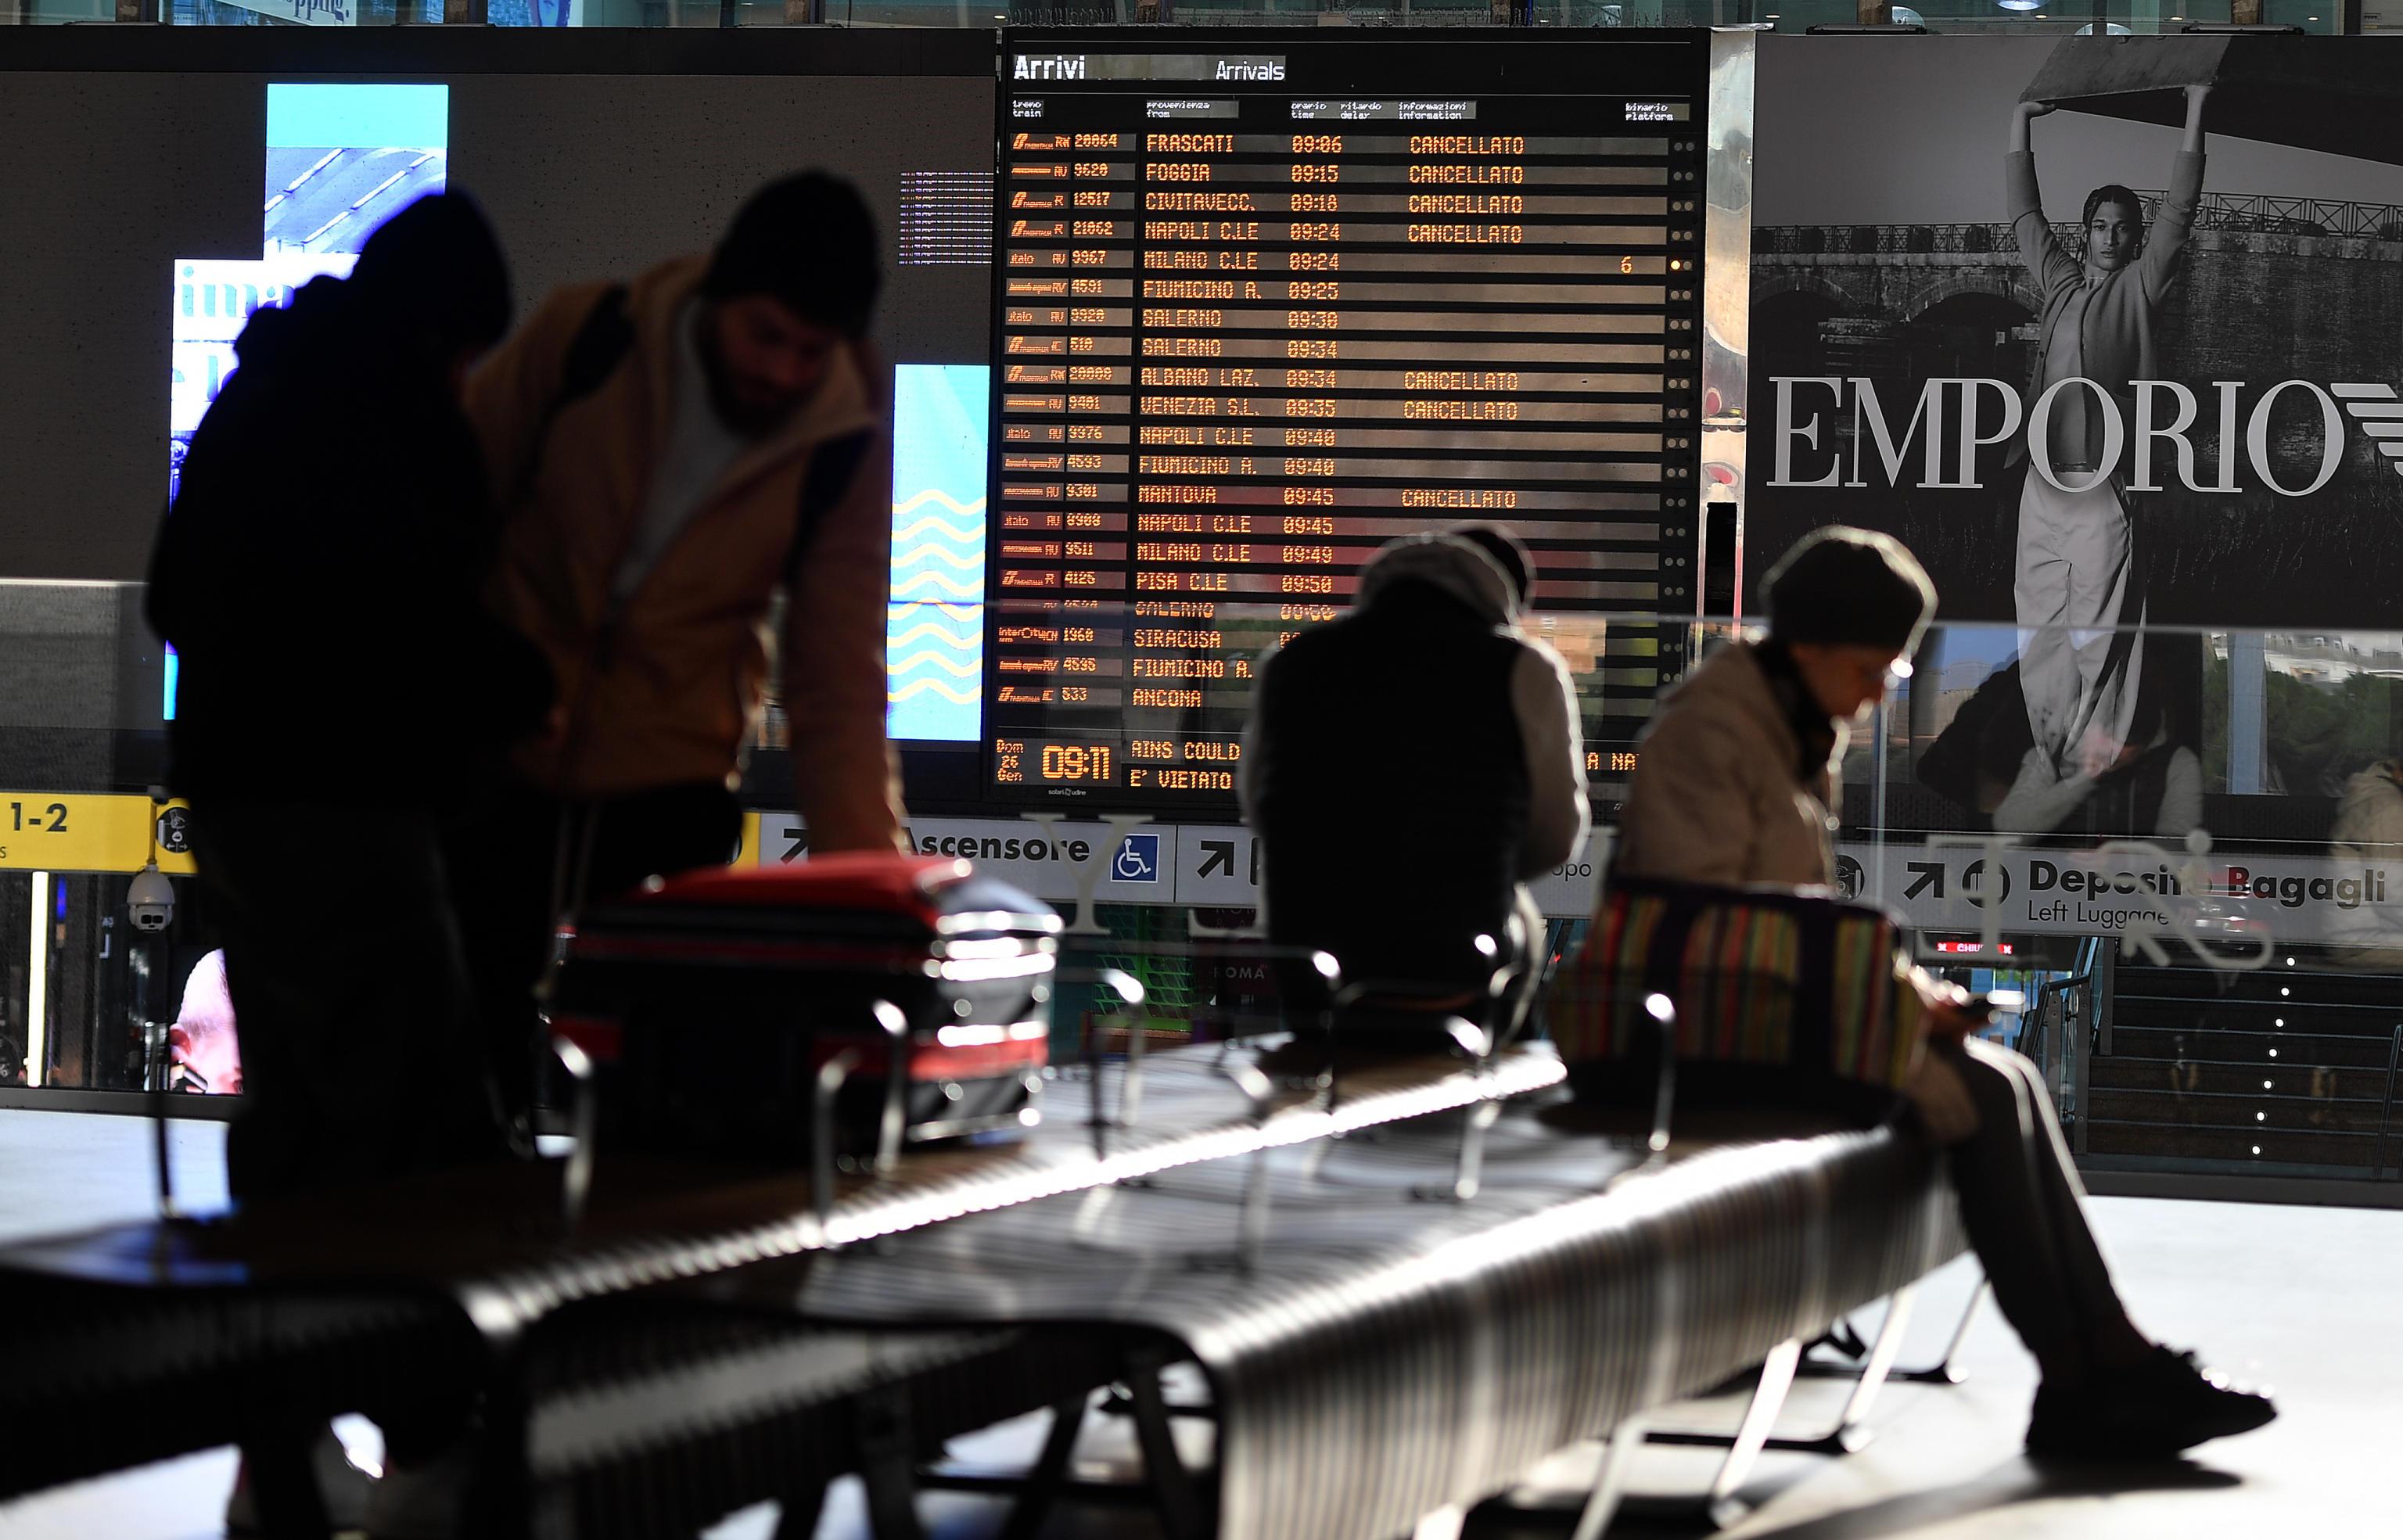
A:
{"points": [[1266, 301]]}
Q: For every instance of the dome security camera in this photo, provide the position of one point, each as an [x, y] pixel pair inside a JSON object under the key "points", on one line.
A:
{"points": [[150, 900]]}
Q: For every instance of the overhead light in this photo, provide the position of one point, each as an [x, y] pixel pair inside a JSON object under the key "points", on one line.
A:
{"points": [[2019, 5]]}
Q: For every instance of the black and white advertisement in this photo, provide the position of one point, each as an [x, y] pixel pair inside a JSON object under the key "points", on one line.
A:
{"points": [[2106, 330], [2109, 332]]}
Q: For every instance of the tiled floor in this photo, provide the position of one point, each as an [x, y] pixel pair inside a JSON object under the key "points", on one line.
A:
{"points": [[2304, 1298]]}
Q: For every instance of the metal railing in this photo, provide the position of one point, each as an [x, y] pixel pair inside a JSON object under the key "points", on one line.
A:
{"points": [[2059, 1029], [2386, 1108], [2295, 215], [2259, 213]]}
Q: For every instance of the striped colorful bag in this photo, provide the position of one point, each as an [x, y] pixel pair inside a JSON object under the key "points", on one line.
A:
{"points": [[1780, 996]]}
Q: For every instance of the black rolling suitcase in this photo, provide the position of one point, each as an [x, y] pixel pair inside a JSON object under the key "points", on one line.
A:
{"points": [[710, 1002]]}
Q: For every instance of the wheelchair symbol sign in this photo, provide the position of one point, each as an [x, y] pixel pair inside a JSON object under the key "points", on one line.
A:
{"points": [[1137, 859]]}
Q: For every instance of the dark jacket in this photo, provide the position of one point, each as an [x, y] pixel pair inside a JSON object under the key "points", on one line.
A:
{"points": [[1408, 766], [321, 570]]}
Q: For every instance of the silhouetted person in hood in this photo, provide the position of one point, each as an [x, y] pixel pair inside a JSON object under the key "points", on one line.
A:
{"points": [[1424, 751], [341, 690]]}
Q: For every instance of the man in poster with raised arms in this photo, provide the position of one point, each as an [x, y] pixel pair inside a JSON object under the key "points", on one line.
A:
{"points": [[2078, 572]]}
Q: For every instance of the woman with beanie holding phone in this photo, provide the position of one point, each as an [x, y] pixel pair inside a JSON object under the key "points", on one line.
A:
{"points": [[1734, 786]]}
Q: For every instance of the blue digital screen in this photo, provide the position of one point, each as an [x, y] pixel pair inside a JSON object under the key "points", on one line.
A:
{"points": [[341, 159], [933, 637]]}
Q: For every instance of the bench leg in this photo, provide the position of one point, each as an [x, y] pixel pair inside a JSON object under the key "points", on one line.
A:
{"points": [[888, 1465], [1610, 1480], [1852, 1430], [284, 1485], [1173, 1490], [1752, 1434], [1720, 1507], [1043, 1483], [1468, 1167], [1255, 1234], [798, 1511], [1942, 1371]]}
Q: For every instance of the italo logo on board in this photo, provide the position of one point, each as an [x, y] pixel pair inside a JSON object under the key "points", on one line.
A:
{"points": [[1953, 418]]}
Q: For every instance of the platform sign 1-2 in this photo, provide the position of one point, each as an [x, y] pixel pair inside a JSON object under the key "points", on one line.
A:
{"points": [[73, 831]]}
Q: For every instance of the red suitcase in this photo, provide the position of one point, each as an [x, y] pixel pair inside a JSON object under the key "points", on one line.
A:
{"points": [[710, 1000]]}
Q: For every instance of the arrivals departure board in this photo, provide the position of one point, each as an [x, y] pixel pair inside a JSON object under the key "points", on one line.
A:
{"points": [[1267, 301]]}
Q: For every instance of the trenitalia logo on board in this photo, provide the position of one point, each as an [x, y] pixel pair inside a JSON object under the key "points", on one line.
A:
{"points": [[1953, 419]]}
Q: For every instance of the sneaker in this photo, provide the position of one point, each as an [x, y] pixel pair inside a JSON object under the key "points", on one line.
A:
{"points": [[2162, 1405], [342, 1485]]}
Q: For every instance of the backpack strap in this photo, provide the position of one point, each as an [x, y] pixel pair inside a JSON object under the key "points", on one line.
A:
{"points": [[600, 344]]}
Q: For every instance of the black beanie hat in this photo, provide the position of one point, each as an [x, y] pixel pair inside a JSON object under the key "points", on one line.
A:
{"points": [[807, 242], [1505, 549], [438, 267], [1849, 588]]}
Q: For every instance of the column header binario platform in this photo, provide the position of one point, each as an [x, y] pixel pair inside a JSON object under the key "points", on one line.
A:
{"points": [[1266, 303]]}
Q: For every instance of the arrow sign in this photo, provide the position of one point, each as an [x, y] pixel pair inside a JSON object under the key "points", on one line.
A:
{"points": [[1222, 858], [1924, 875]]}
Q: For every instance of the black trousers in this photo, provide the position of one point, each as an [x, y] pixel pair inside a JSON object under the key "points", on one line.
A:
{"points": [[530, 858], [362, 1057], [2021, 1203]]}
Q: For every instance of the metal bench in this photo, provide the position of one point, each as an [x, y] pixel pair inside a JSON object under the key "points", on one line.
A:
{"points": [[181, 1314], [1374, 1359]]}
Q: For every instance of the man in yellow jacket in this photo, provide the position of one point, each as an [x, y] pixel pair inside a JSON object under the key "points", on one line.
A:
{"points": [[669, 455]]}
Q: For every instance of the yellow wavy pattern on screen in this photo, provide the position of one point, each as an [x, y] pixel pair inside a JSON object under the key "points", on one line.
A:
{"points": [[948, 559], [928, 628], [922, 687], [917, 500], [936, 579], [957, 671], [968, 536]]}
